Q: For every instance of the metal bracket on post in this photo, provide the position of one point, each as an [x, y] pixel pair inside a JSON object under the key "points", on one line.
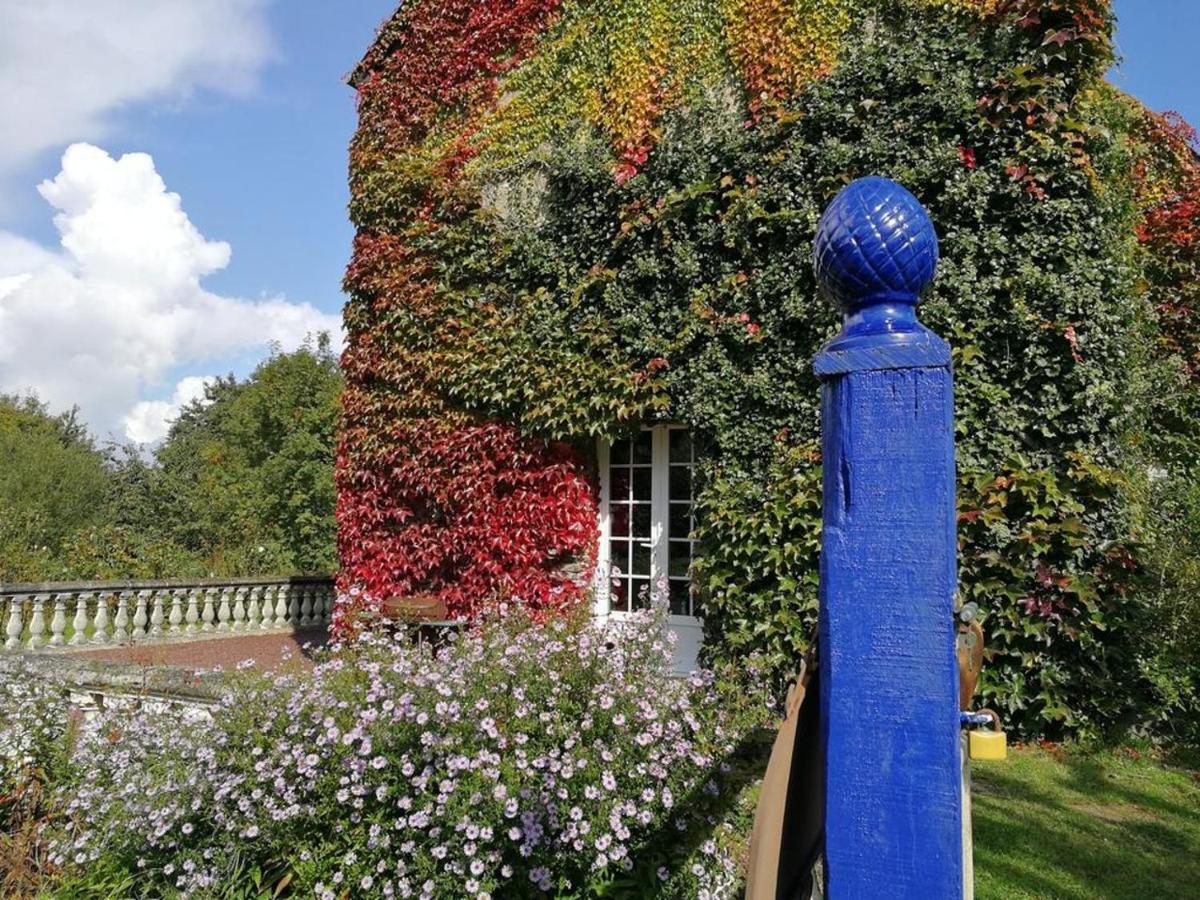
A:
{"points": [[889, 690]]}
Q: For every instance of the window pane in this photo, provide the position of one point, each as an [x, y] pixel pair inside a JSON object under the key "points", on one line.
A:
{"points": [[620, 484], [679, 558], [641, 484], [620, 596], [680, 598], [641, 559], [681, 483], [619, 455], [620, 519], [642, 447], [641, 521], [681, 445], [679, 523], [619, 557]]}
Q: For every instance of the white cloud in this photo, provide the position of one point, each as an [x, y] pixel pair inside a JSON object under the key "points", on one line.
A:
{"points": [[104, 322], [150, 420], [67, 66]]}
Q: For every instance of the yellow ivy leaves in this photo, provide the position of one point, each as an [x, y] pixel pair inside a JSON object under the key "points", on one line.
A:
{"points": [[779, 46]]}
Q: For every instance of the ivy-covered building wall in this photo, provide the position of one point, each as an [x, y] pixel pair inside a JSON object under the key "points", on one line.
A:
{"points": [[578, 219]]}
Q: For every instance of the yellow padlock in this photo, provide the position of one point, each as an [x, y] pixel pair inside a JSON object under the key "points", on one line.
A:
{"points": [[988, 743]]}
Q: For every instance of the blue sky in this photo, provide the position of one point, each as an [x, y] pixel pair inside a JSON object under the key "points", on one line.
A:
{"points": [[1158, 41], [265, 171], [243, 111]]}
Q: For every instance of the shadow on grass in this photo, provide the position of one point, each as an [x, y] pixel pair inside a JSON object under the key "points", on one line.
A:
{"points": [[1071, 829]]}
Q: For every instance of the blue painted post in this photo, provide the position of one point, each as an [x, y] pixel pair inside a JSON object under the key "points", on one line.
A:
{"points": [[889, 691]]}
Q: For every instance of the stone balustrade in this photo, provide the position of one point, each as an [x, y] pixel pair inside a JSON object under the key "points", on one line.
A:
{"points": [[79, 615]]}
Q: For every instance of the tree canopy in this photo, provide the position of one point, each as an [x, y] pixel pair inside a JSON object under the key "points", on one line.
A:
{"points": [[243, 483]]}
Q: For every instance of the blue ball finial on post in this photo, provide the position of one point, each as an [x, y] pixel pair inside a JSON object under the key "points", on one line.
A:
{"points": [[875, 253], [875, 242], [889, 694]]}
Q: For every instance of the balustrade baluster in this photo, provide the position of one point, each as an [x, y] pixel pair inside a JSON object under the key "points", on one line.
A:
{"points": [[58, 624], [327, 605], [37, 623], [209, 614], [239, 609], [281, 605], [16, 621], [193, 611], [100, 622], [294, 602], [306, 606], [254, 612], [268, 606], [224, 613], [139, 616], [156, 616], [175, 619], [121, 620], [79, 621]]}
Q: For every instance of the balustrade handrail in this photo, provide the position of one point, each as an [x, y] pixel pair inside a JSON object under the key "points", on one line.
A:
{"points": [[92, 614]]}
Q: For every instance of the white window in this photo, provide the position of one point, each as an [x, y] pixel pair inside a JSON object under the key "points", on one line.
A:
{"points": [[646, 523]]}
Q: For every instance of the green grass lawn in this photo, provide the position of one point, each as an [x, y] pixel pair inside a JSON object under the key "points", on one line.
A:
{"points": [[1073, 824]]}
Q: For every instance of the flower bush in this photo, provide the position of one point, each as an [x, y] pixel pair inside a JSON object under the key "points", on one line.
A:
{"points": [[556, 760], [34, 737], [36, 730]]}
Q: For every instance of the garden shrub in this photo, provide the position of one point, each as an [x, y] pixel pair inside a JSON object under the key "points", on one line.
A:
{"points": [[592, 217], [518, 760], [35, 755]]}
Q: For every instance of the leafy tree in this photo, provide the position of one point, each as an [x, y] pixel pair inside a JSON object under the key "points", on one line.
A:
{"points": [[53, 482], [245, 477]]}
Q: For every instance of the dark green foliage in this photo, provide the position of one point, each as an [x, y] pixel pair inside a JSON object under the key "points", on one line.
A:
{"points": [[1169, 660], [245, 477], [53, 482]]}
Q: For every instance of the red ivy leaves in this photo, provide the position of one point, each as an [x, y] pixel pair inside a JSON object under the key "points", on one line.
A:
{"points": [[1167, 180], [467, 515], [439, 53]]}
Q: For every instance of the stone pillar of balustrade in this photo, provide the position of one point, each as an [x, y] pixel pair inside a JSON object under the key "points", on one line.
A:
{"points": [[37, 621], [208, 613], [254, 611], [156, 616], [124, 600], [293, 607], [100, 622], [140, 616], [239, 609], [281, 605], [16, 622], [193, 611], [224, 611], [58, 624], [79, 623], [306, 606], [175, 618]]}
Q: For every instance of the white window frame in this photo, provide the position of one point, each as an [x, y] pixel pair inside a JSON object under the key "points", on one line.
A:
{"points": [[688, 629]]}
